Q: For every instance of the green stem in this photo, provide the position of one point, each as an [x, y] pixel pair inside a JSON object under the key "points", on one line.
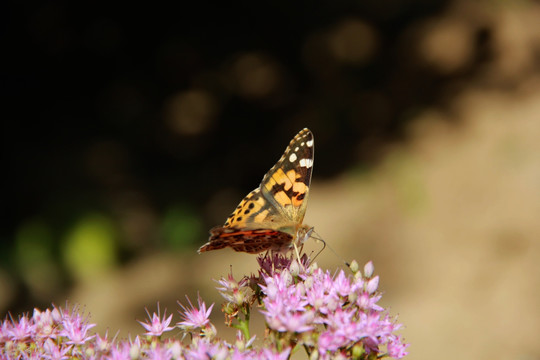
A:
{"points": [[243, 325]]}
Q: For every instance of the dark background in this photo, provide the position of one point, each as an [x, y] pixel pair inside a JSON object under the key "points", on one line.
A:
{"points": [[133, 129], [89, 89]]}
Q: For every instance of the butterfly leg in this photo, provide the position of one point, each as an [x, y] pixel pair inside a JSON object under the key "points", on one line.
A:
{"points": [[298, 254]]}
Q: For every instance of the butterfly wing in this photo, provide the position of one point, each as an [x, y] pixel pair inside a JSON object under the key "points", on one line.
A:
{"points": [[251, 241], [286, 185], [268, 216]]}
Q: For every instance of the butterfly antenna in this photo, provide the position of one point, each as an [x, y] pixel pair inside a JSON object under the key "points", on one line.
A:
{"points": [[322, 249], [318, 238]]}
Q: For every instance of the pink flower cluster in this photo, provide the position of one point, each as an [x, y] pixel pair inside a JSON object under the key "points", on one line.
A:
{"points": [[50, 334], [338, 312], [329, 316]]}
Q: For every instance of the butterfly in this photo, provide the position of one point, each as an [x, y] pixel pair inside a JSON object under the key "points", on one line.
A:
{"points": [[270, 217]]}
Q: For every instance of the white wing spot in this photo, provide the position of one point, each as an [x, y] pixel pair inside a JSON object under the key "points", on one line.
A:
{"points": [[307, 163], [292, 158], [296, 148], [302, 144], [309, 143]]}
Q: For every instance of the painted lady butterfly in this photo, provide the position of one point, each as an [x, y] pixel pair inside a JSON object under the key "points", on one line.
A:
{"points": [[270, 217]]}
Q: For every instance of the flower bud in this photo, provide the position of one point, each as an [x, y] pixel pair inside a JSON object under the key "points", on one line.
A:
{"points": [[308, 283], [134, 351], [240, 343], [176, 350], [368, 269], [294, 268], [239, 297], [372, 285], [90, 353], [56, 315], [354, 266], [209, 331], [300, 287], [357, 351]]}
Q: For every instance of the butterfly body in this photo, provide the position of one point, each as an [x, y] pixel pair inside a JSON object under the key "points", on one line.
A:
{"points": [[271, 216]]}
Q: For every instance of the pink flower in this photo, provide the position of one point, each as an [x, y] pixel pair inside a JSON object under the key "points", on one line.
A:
{"points": [[157, 326], [120, 351], [75, 328], [372, 285], [368, 302], [102, 343], [5, 330], [176, 350], [21, 330], [55, 352], [331, 341], [233, 291], [45, 325], [193, 317], [396, 348], [321, 293], [286, 304], [342, 284], [158, 353], [204, 350]]}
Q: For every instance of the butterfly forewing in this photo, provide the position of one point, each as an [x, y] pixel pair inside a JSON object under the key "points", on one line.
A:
{"points": [[252, 211], [267, 218], [286, 185]]}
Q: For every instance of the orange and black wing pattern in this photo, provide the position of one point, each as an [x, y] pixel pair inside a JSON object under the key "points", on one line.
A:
{"points": [[269, 216]]}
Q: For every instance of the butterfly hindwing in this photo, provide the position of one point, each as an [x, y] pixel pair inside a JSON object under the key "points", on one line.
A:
{"points": [[249, 241]]}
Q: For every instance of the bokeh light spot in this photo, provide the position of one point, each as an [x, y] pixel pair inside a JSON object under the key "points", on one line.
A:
{"points": [[181, 228], [255, 76], [447, 45], [352, 41], [35, 260], [191, 112], [90, 247]]}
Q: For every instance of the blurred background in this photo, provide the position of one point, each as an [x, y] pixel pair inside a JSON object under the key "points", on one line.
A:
{"points": [[129, 131]]}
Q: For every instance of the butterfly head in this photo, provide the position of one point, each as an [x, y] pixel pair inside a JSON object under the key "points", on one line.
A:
{"points": [[304, 233]]}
